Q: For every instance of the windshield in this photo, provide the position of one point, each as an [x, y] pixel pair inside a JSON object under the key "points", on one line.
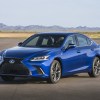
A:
{"points": [[44, 40]]}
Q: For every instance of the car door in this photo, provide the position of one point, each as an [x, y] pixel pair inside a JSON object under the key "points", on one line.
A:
{"points": [[84, 49], [72, 59]]}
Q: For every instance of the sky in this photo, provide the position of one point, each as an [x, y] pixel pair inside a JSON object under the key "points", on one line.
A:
{"points": [[67, 13]]}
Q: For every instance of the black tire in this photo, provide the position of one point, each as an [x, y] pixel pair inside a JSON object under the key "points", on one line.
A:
{"points": [[95, 68], [55, 72], [7, 78]]}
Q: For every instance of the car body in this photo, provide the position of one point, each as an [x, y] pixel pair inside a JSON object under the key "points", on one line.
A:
{"points": [[75, 53]]}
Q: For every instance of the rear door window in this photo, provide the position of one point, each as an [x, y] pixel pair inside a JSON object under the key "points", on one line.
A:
{"points": [[82, 41]]}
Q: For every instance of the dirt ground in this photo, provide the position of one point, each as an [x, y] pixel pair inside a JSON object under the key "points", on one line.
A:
{"points": [[77, 87]]}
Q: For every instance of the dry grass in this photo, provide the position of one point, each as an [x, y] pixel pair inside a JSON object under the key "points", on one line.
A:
{"points": [[25, 35], [92, 34], [15, 35]]}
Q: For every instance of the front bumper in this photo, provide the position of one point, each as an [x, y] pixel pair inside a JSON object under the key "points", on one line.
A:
{"points": [[25, 68]]}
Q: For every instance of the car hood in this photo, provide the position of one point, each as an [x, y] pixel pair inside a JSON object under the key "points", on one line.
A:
{"points": [[23, 52]]}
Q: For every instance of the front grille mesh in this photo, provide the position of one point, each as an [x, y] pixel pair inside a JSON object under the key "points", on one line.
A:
{"points": [[15, 69]]}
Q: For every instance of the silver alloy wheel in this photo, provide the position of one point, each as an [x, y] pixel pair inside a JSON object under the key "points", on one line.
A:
{"points": [[96, 67], [55, 71]]}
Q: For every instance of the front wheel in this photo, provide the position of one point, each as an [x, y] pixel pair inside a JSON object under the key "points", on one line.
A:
{"points": [[55, 72], [95, 68], [7, 78]]}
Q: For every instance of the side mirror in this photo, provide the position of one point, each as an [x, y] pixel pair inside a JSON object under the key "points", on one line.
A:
{"points": [[19, 44], [71, 46]]}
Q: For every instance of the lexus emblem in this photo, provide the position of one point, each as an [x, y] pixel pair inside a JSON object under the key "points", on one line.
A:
{"points": [[12, 61]]}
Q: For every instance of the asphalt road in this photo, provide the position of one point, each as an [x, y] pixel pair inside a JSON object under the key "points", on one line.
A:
{"points": [[77, 87]]}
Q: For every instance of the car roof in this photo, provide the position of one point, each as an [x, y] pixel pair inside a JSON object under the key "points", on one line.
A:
{"points": [[60, 33], [66, 34]]}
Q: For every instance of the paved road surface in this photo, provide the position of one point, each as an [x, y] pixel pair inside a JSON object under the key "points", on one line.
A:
{"points": [[77, 87]]}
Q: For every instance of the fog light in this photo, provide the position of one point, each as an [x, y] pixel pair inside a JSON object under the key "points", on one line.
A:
{"points": [[30, 73], [39, 70]]}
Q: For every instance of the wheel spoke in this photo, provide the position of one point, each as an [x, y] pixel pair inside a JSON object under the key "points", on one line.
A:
{"points": [[57, 66], [96, 71], [58, 72], [55, 77], [98, 63]]}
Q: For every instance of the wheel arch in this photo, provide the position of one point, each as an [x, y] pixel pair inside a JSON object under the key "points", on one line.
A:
{"points": [[98, 56]]}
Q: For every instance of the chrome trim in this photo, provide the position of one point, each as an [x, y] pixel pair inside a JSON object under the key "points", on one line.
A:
{"points": [[42, 71]]}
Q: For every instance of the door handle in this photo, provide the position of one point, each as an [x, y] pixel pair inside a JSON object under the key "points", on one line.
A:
{"points": [[78, 51], [92, 49]]}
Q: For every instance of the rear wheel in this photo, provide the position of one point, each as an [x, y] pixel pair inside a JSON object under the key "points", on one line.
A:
{"points": [[7, 78], [55, 72], [95, 68]]}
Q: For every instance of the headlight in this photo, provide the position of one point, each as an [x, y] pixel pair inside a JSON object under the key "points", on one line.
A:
{"points": [[1, 59], [40, 58]]}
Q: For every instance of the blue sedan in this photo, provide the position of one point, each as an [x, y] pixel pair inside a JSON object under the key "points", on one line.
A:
{"points": [[51, 56]]}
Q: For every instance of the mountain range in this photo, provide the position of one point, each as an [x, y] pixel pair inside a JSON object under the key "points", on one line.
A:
{"points": [[38, 28]]}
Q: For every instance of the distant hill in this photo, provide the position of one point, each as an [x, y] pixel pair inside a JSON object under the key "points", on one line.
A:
{"points": [[38, 28]]}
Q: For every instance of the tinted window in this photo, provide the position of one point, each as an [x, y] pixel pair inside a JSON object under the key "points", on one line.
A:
{"points": [[47, 40], [70, 40], [33, 41], [82, 41]]}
